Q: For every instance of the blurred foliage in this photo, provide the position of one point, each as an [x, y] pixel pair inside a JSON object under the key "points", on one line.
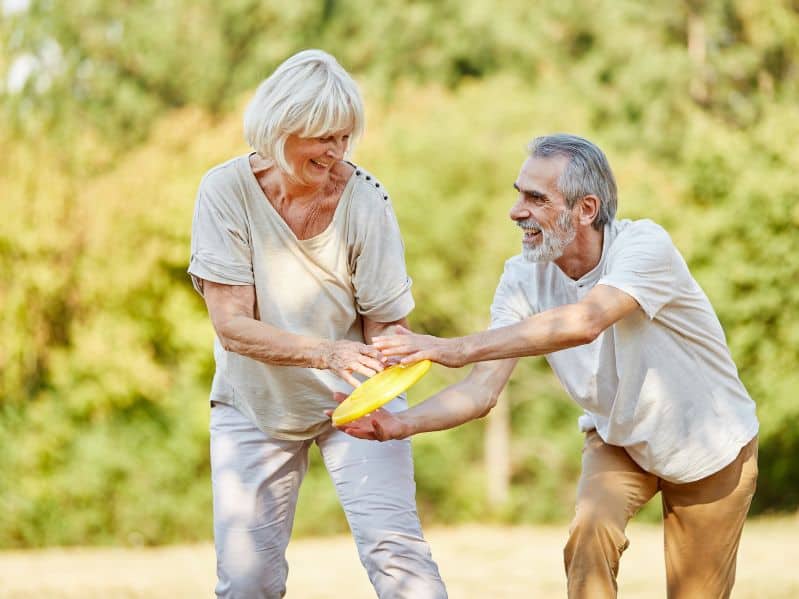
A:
{"points": [[113, 111]]}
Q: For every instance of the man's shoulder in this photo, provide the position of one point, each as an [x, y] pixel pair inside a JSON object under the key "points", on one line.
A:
{"points": [[639, 227], [641, 231]]}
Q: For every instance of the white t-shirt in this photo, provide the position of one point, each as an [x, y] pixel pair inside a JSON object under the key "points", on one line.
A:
{"points": [[660, 382], [319, 287]]}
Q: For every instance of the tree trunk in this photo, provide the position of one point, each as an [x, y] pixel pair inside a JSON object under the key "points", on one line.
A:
{"points": [[497, 453]]}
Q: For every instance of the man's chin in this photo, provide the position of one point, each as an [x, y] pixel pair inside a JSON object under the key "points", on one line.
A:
{"points": [[533, 255]]}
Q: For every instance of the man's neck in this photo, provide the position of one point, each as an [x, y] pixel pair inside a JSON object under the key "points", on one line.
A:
{"points": [[583, 254]]}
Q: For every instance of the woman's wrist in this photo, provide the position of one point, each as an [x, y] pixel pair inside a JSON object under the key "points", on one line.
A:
{"points": [[321, 356]]}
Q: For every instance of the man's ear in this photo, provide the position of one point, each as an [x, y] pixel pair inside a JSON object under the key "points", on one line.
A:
{"points": [[588, 209]]}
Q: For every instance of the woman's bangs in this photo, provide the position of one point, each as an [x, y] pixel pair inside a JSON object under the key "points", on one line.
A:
{"points": [[331, 112]]}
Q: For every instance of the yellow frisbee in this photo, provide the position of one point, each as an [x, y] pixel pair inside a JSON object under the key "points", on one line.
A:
{"points": [[378, 391]]}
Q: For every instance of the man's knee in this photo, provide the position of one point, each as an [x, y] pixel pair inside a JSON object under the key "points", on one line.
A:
{"points": [[595, 529]]}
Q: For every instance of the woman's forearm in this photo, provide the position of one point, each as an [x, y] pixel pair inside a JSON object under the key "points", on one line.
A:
{"points": [[271, 345]]}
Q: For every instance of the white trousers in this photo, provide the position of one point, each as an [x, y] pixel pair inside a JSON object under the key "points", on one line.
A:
{"points": [[256, 481]]}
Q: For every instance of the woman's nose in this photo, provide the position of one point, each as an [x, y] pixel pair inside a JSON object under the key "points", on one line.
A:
{"points": [[337, 148]]}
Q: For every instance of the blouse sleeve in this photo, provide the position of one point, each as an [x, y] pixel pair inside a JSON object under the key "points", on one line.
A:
{"points": [[220, 241], [377, 258]]}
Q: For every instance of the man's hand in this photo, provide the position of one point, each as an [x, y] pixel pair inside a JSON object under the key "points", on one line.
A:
{"points": [[412, 347], [380, 425]]}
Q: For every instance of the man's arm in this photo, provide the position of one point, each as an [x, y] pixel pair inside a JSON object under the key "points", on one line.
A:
{"points": [[543, 333], [471, 398], [232, 309]]}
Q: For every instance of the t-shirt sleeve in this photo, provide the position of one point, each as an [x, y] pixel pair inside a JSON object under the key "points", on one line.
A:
{"points": [[220, 246], [641, 264], [510, 304], [377, 260]]}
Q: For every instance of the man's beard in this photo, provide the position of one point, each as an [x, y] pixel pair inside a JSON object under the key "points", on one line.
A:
{"points": [[553, 241]]}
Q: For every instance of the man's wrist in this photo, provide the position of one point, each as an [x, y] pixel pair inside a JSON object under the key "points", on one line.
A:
{"points": [[463, 349], [407, 427]]}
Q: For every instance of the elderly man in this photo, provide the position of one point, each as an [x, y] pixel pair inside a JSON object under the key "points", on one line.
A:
{"points": [[636, 343]]}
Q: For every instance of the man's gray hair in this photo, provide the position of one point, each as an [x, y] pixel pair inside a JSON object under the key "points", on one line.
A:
{"points": [[310, 95], [587, 172]]}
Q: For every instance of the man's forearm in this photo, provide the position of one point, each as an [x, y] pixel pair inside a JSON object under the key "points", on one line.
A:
{"points": [[543, 333], [466, 400]]}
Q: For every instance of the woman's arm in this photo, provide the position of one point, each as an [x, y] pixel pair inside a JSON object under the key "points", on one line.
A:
{"points": [[232, 309]]}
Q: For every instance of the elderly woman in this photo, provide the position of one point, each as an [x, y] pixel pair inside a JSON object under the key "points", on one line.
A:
{"points": [[299, 258]]}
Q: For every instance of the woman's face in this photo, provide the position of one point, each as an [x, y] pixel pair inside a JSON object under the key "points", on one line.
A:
{"points": [[313, 158]]}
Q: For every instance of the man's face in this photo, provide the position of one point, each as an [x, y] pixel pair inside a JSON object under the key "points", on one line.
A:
{"points": [[541, 210]]}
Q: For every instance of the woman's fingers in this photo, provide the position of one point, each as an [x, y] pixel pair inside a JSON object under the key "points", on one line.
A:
{"points": [[347, 376], [371, 363], [364, 370], [371, 351]]}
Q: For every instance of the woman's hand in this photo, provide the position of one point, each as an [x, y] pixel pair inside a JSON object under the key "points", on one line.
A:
{"points": [[412, 347], [344, 357], [380, 425]]}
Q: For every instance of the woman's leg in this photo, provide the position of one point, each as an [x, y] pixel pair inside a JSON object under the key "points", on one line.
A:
{"points": [[255, 482], [375, 485]]}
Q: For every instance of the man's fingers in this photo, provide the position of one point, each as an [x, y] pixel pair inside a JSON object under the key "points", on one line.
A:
{"points": [[397, 350], [356, 432], [380, 434], [339, 397], [416, 357]]}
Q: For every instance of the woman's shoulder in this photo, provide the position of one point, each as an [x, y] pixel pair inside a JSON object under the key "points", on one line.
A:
{"points": [[223, 175], [368, 188]]}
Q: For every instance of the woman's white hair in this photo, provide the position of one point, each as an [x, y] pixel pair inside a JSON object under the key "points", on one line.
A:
{"points": [[310, 95]]}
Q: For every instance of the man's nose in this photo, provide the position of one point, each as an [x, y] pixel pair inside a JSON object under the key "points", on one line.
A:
{"points": [[519, 212]]}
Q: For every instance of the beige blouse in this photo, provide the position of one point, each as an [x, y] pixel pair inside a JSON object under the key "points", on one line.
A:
{"points": [[318, 287]]}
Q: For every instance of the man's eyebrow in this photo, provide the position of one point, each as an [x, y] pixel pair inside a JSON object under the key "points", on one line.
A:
{"points": [[533, 193]]}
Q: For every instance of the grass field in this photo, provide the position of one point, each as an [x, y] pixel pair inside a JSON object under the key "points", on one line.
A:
{"points": [[475, 561]]}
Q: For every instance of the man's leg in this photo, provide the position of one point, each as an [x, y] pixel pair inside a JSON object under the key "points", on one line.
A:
{"points": [[375, 485], [611, 490], [703, 521], [255, 482]]}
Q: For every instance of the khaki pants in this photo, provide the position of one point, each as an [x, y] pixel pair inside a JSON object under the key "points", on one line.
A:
{"points": [[702, 523]]}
